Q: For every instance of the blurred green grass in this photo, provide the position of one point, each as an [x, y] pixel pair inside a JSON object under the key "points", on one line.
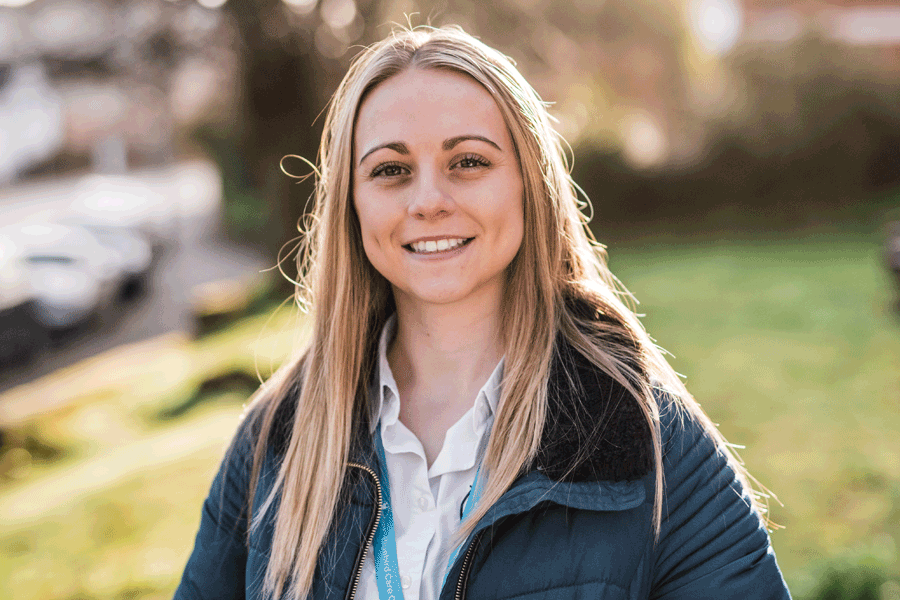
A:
{"points": [[791, 344], [114, 513]]}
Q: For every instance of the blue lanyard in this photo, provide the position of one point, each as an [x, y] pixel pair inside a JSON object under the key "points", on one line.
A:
{"points": [[387, 567]]}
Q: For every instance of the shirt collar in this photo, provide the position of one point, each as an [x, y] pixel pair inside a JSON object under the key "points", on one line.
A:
{"points": [[386, 405], [386, 390]]}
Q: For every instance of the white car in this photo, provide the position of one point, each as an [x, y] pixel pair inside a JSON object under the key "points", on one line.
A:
{"points": [[126, 201], [130, 244], [72, 274]]}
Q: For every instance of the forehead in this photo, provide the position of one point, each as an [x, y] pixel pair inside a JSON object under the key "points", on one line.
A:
{"points": [[422, 105]]}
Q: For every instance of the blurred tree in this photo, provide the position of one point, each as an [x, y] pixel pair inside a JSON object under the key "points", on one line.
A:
{"points": [[283, 86]]}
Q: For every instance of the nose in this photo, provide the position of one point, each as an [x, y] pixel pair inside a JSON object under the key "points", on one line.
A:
{"points": [[430, 200]]}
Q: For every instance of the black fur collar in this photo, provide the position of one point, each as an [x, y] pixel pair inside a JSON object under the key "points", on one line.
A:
{"points": [[595, 429]]}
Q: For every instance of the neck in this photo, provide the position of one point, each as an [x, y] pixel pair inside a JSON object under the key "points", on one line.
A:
{"points": [[441, 356]]}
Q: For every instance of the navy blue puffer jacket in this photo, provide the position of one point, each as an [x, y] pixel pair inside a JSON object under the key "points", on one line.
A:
{"points": [[575, 526]]}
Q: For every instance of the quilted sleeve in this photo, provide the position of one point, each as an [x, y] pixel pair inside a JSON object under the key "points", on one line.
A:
{"points": [[712, 543], [215, 569]]}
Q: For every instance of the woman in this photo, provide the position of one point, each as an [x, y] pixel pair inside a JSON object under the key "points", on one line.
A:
{"points": [[477, 413]]}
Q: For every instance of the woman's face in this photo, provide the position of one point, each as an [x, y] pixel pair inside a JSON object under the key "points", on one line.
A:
{"points": [[437, 187]]}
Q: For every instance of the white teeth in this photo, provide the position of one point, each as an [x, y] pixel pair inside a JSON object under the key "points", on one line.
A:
{"points": [[437, 246]]}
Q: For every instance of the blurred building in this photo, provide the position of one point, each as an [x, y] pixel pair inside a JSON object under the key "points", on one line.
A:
{"points": [[861, 23], [31, 118], [87, 84]]}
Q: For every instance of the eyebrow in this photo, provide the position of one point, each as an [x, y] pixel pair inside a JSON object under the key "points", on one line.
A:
{"points": [[398, 147], [449, 144]]}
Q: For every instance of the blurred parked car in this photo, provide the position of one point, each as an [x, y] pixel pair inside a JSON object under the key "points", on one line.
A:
{"points": [[131, 245], [72, 274], [124, 201], [21, 334]]}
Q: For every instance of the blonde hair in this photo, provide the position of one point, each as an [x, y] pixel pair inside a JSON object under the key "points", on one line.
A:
{"points": [[558, 269]]}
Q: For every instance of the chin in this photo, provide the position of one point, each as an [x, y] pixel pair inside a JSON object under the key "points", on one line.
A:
{"points": [[438, 294], [437, 297]]}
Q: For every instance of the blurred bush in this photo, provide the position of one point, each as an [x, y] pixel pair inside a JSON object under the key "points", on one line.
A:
{"points": [[859, 578], [850, 583], [218, 304]]}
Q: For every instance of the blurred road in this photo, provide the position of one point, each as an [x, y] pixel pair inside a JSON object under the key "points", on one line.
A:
{"points": [[199, 255]]}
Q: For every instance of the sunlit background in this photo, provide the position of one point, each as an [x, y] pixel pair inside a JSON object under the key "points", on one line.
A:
{"points": [[742, 158]]}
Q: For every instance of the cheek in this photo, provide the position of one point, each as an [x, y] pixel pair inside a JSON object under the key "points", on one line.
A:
{"points": [[517, 232], [364, 218], [375, 232], [369, 219], [511, 218]]}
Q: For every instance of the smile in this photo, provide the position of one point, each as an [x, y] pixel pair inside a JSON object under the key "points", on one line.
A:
{"points": [[435, 246]]}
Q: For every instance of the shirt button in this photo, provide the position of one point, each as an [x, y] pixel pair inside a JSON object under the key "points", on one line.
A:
{"points": [[423, 503], [405, 581]]}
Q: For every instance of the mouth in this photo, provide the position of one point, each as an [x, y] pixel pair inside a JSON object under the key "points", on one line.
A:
{"points": [[437, 246]]}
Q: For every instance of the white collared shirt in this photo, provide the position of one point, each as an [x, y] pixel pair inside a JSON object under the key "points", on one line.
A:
{"points": [[426, 502]]}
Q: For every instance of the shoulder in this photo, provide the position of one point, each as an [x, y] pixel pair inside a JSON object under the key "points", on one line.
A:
{"points": [[258, 431], [695, 460], [690, 442], [712, 540]]}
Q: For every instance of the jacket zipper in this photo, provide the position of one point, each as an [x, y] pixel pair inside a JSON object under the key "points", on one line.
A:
{"points": [[464, 572], [370, 537]]}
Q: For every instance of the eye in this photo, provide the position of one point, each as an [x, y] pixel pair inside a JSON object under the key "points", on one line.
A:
{"points": [[471, 161], [388, 169]]}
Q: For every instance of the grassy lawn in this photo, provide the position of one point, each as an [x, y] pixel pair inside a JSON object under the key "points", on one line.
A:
{"points": [[792, 345], [112, 512]]}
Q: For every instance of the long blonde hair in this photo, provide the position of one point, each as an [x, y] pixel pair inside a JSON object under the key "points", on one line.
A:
{"points": [[558, 266]]}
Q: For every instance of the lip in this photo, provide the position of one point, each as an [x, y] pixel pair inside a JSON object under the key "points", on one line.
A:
{"points": [[434, 238]]}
